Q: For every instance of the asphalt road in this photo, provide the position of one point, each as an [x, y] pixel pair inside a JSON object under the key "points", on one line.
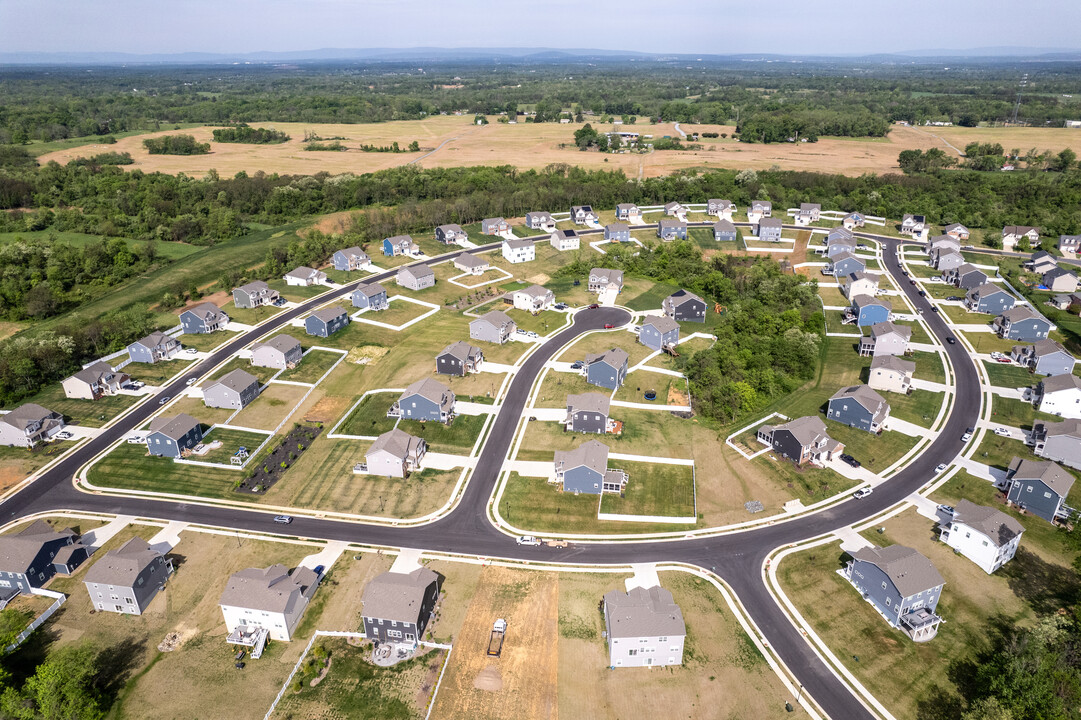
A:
{"points": [[738, 557]]}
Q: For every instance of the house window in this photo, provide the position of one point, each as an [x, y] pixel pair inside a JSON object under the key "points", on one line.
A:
{"points": [[883, 585], [889, 602], [1047, 495], [632, 652]]}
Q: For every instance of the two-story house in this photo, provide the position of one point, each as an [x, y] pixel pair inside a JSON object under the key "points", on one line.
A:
{"points": [[269, 599], [768, 229], [644, 627], [966, 276], [869, 310], [844, 264], [674, 209], [720, 209], [305, 277], [324, 322], [585, 470], [399, 606], [171, 436], [902, 585], [493, 326], [541, 220], [617, 232], [725, 231], [1059, 395], [1057, 441], [759, 209], [1060, 280], [494, 226], [1045, 357], [860, 407], [280, 352], [450, 234], [957, 231], [606, 369], [859, 283], [155, 347], [234, 390], [985, 535], [891, 374], [671, 229], [533, 299], [659, 333], [565, 239], [459, 359], [26, 557], [886, 338], [395, 453], [803, 440], [96, 380], [425, 400], [127, 579], [372, 296], [1039, 488], [400, 245], [914, 225], [853, 220], [350, 259], [989, 298], [628, 211], [254, 294], [808, 213], [1021, 323], [1012, 234], [588, 413], [203, 318], [605, 280], [415, 277], [684, 306], [519, 250], [583, 215], [28, 425]]}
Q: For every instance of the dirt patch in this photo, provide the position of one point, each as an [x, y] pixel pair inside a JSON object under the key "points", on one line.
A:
{"points": [[333, 224], [489, 679], [10, 476], [328, 408], [219, 299], [322, 673], [676, 396], [538, 279], [366, 354]]}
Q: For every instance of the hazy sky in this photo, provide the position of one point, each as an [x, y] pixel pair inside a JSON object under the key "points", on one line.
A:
{"points": [[692, 26]]}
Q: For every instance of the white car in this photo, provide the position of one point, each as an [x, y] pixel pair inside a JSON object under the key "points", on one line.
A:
{"points": [[1002, 432], [63, 435], [193, 351], [136, 440], [528, 540], [940, 468], [935, 279], [191, 381], [862, 493]]}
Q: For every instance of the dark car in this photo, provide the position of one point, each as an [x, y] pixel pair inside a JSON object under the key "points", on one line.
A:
{"points": [[594, 306], [934, 308], [951, 340], [850, 460], [911, 282], [577, 365], [923, 293], [319, 570]]}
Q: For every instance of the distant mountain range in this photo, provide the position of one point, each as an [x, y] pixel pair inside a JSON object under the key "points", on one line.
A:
{"points": [[538, 55]]}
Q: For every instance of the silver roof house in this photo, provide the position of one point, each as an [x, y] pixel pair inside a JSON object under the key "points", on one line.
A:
{"points": [[644, 627]]}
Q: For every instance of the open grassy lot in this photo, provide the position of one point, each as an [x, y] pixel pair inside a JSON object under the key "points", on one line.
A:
{"points": [[262, 373], [919, 334], [596, 342], [641, 294], [458, 437], [250, 316], [652, 489], [686, 350], [1009, 375], [18, 463], [271, 408], [985, 342], [207, 341], [399, 312], [928, 366], [634, 389], [542, 323], [476, 387], [158, 373], [231, 441], [1017, 413], [832, 296], [557, 386], [876, 452], [198, 410], [167, 250], [998, 451], [370, 416], [961, 316], [645, 432], [296, 293], [312, 367], [92, 413], [920, 407], [129, 467]]}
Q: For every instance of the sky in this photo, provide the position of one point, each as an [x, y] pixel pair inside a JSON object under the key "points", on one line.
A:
{"points": [[791, 27]]}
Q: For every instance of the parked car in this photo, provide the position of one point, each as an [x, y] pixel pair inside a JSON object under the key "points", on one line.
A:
{"points": [[560, 306], [64, 435], [935, 279], [967, 436], [165, 399], [193, 351], [528, 540], [318, 570], [190, 381], [934, 308], [940, 468], [577, 365], [956, 298], [608, 326], [923, 293], [862, 493], [1003, 359], [850, 460], [283, 519], [136, 440], [594, 306], [919, 311], [1002, 432], [945, 509]]}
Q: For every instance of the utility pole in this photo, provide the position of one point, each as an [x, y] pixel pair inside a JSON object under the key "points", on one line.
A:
{"points": [[1020, 90]]}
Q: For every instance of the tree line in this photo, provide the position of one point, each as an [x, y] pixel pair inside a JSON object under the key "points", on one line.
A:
{"points": [[244, 133], [175, 145]]}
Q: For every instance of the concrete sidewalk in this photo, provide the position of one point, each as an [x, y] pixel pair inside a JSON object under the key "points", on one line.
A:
{"points": [[930, 386], [99, 536], [325, 557], [906, 428]]}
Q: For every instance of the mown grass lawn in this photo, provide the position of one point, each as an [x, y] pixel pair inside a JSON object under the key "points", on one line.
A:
{"points": [[458, 437], [92, 413], [399, 312], [370, 416], [262, 373], [928, 366], [206, 341], [129, 467], [650, 296], [986, 342], [920, 407], [542, 323], [1018, 413], [1009, 375], [231, 440], [296, 293], [250, 316], [652, 489], [876, 452], [998, 451], [312, 367], [158, 373], [961, 316]]}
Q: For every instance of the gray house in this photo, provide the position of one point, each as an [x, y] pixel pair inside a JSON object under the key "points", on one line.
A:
{"points": [[684, 306], [280, 352], [669, 229], [28, 425], [583, 214], [398, 606], [768, 229], [254, 294], [617, 232], [587, 413], [416, 277], [808, 213], [1058, 441], [400, 245], [170, 437], [674, 208], [351, 258], [989, 298], [803, 440], [471, 264], [1021, 323], [627, 211], [425, 399], [1069, 243], [1039, 488], [1046, 357], [585, 470], [601, 279], [450, 234], [759, 209], [886, 338], [395, 453], [127, 579], [234, 390], [94, 381], [153, 348], [494, 226], [658, 333], [644, 627], [203, 318], [860, 407], [845, 264], [902, 585], [372, 296], [607, 369], [326, 321], [494, 326], [540, 220], [945, 260], [966, 277], [838, 241], [724, 230], [459, 359], [26, 557], [720, 208]]}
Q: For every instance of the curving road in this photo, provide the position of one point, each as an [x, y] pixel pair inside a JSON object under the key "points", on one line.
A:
{"points": [[738, 558]]}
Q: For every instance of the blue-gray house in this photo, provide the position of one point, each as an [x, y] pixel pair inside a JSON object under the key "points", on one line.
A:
{"points": [[351, 258], [845, 264], [170, 437], [1021, 323], [607, 369], [617, 232], [326, 322], [724, 230], [902, 585], [1039, 488], [870, 311], [671, 229], [989, 298], [425, 399], [658, 333], [153, 348], [858, 406], [585, 470], [203, 318], [372, 296], [26, 557], [768, 229]]}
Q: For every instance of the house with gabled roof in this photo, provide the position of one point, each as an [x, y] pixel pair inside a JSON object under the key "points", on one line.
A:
{"points": [[585, 470], [989, 298], [583, 215], [914, 225], [966, 276], [945, 259], [607, 369], [450, 233], [720, 208], [725, 231], [659, 333], [255, 294], [671, 229], [415, 277], [324, 322], [644, 627], [942, 242], [867, 310], [684, 306], [768, 229], [844, 264], [459, 358], [803, 440], [840, 241], [902, 585], [859, 283], [127, 579], [628, 211], [171, 436], [1059, 395], [271, 599], [518, 250], [891, 374], [26, 557], [588, 413], [28, 425], [1060, 280], [155, 347], [203, 318], [860, 407], [1012, 234], [886, 338], [565, 239], [1040, 488], [350, 259], [398, 607], [1045, 357], [425, 400], [605, 279], [1022, 323], [94, 381], [280, 352], [541, 220], [674, 209], [494, 326], [985, 535], [1069, 243], [395, 453], [494, 226], [759, 209], [233, 390], [472, 264], [533, 299], [305, 277], [617, 232], [400, 245], [853, 220], [371, 296], [808, 213], [957, 231], [1057, 441]]}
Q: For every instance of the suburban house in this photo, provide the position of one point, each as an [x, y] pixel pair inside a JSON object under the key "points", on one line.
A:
{"points": [[628, 211], [26, 557], [914, 225], [471, 264], [425, 399], [902, 585], [400, 245], [254, 294], [94, 381], [886, 338], [607, 369], [868, 310], [28, 425], [803, 440], [541, 220], [588, 413], [617, 232], [280, 352], [234, 390], [844, 264], [989, 298], [203, 318], [759, 209], [891, 374], [450, 234], [415, 277], [1041, 262], [153, 348], [838, 243], [808, 213], [399, 606], [494, 326], [659, 333], [585, 470], [859, 283], [1069, 243], [684, 306], [1021, 323], [945, 259], [494, 226], [372, 296], [966, 276], [1012, 234], [985, 535], [768, 229], [860, 407], [534, 298], [1039, 488], [725, 231], [351, 258], [604, 279], [459, 358], [519, 250], [583, 215], [669, 229], [1045, 357], [853, 220], [1059, 395], [674, 209], [170, 437], [957, 231], [270, 599], [395, 453], [126, 580], [305, 276], [942, 242], [1058, 441], [644, 627], [326, 321], [565, 239], [1060, 280], [720, 208]]}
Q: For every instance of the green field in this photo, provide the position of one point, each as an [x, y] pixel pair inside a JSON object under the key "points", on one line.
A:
{"points": [[542, 323], [314, 365], [231, 441], [250, 316], [167, 250], [1009, 376], [158, 373], [39, 147], [928, 366], [129, 467], [370, 416], [649, 298], [457, 438], [206, 342], [236, 363], [920, 406], [1017, 413], [652, 489], [92, 413]]}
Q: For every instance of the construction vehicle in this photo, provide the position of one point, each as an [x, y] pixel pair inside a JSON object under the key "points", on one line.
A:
{"points": [[495, 641]]}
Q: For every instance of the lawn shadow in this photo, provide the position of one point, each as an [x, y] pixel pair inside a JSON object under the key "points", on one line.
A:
{"points": [[1045, 586], [114, 667]]}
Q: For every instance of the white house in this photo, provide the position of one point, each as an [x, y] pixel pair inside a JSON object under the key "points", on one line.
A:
{"points": [[644, 627], [860, 283], [565, 239], [891, 373], [271, 599], [305, 276], [985, 535], [1059, 395], [519, 250], [533, 298]]}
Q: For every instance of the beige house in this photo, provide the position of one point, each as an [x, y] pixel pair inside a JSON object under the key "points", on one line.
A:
{"points": [[891, 373], [860, 283]]}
